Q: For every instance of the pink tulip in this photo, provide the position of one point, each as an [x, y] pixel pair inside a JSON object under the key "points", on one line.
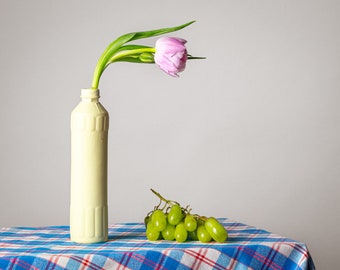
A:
{"points": [[171, 55]]}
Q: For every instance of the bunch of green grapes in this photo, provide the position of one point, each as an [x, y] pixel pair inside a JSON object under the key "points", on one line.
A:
{"points": [[170, 221]]}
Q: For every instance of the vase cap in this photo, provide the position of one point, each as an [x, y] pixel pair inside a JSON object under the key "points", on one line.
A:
{"points": [[89, 93]]}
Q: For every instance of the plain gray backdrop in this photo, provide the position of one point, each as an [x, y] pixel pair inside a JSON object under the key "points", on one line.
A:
{"points": [[251, 133]]}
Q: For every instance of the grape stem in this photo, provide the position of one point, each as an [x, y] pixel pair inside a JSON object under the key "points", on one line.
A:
{"points": [[159, 196], [203, 218], [163, 199]]}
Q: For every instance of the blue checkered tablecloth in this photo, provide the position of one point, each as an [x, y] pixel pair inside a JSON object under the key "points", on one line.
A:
{"points": [[246, 248]]}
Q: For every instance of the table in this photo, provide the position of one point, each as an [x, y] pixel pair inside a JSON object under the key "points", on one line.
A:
{"points": [[246, 248]]}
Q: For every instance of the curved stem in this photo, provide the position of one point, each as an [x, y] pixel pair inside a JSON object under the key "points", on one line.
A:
{"points": [[107, 54], [123, 54], [108, 59]]}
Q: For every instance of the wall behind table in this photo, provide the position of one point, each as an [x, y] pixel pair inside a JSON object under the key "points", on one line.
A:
{"points": [[250, 133]]}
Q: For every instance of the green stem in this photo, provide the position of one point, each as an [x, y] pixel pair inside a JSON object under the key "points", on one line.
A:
{"points": [[105, 57], [203, 218], [109, 59], [159, 196], [122, 54]]}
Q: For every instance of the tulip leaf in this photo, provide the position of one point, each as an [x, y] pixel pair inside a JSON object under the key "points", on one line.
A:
{"points": [[162, 31]]}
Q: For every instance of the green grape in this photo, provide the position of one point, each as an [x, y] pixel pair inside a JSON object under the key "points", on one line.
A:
{"points": [[190, 223], [216, 230], [181, 233], [158, 219], [151, 233], [203, 235], [175, 214], [193, 235], [169, 232]]}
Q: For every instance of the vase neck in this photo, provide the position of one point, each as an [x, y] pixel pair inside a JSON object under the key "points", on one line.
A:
{"points": [[89, 95]]}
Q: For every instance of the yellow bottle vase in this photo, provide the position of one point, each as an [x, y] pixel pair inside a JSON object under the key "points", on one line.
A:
{"points": [[89, 136]]}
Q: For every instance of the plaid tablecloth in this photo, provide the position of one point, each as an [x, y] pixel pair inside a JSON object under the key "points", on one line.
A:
{"points": [[247, 248]]}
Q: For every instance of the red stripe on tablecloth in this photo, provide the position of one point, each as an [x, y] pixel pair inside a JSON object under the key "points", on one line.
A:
{"points": [[200, 257], [21, 263], [85, 262]]}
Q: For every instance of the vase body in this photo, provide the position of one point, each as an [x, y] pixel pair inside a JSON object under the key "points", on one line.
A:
{"points": [[89, 136]]}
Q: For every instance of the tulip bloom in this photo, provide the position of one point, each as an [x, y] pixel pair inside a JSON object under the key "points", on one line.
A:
{"points": [[171, 55]]}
